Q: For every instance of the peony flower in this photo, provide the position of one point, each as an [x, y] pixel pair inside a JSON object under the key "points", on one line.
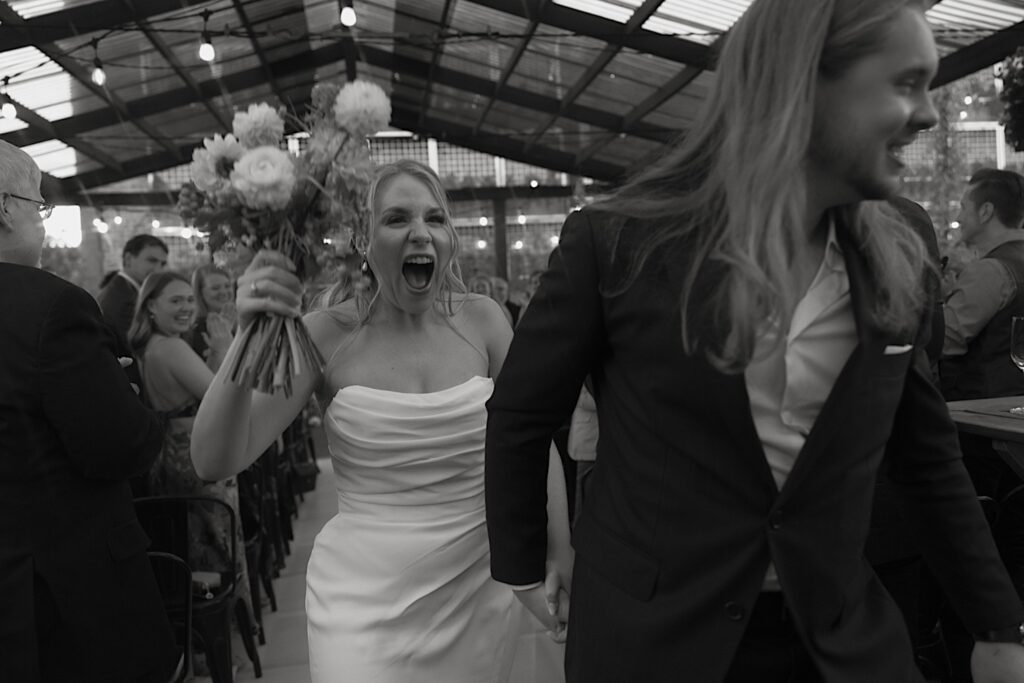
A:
{"points": [[264, 178], [211, 163], [362, 108], [322, 146], [258, 127]]}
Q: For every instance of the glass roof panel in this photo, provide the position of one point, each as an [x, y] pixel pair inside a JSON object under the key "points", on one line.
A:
{"points": [[701, 22], [608, 85], [511, 120], [626, 150], [569, 136], [677, 112], [470, 17], [75, 164], [183, 125], [602, 102], [36, 8], [957, 23], [541, 87], [11, 125], [616, 10], [122, 140], [534, 67], [642, 68]]}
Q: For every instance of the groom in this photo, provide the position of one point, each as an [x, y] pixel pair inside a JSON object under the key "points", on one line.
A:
{"points": [[78, 599], [755, 331]]}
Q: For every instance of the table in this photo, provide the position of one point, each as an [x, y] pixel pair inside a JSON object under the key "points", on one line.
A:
{"points": [[991, 417]]}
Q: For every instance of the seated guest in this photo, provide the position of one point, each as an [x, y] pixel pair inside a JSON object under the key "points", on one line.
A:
{"points": [[215, 295], [174, 379], [78, 601]]}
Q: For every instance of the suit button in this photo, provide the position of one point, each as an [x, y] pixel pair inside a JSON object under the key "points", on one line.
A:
{"points": [[775, 520], [735, 611]]}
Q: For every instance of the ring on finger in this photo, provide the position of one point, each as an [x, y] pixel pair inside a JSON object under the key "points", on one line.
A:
{"points": [[255, 288]]}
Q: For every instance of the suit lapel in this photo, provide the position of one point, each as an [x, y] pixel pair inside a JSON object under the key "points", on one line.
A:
{"points": [[869, 344]]}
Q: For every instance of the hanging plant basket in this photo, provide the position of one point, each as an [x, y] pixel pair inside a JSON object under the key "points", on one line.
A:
{"points": [[1013, 99]]}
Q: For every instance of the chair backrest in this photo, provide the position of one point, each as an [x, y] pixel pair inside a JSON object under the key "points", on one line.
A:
{"points": [[169, 522], [174, 578]]}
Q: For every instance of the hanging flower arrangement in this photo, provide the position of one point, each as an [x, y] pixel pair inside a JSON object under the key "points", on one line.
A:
{"points": [[311, 207], [1012, 74]]}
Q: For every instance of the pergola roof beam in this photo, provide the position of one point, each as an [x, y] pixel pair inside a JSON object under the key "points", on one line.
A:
{"points": [[609, 31], [442, 25], [637, 20], [534, 12], [260, 54]]}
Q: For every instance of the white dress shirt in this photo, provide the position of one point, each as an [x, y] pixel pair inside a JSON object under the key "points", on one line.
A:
{"points": [[789, 383]]}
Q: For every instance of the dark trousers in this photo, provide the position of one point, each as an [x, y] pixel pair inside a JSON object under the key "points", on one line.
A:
{"points": [[771, 650]]}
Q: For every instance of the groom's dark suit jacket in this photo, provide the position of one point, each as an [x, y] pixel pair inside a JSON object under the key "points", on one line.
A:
{"points": [[78, 600], [682, 514]]}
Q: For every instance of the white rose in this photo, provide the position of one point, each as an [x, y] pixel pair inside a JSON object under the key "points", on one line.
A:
{"points": [[264, 178]]}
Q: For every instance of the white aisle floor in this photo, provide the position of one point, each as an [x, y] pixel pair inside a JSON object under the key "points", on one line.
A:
{"points": [[285, 657]]}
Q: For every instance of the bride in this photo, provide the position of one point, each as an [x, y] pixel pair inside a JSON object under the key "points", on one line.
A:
{"points": [[398, 587]]}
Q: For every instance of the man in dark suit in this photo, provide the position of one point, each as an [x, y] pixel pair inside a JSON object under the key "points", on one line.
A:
{"points": [[142, 255], [753, 323], [78, 599]]}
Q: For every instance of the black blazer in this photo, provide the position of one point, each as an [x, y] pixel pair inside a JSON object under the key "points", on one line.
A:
{"points": [[72, 554], [683, 515]]}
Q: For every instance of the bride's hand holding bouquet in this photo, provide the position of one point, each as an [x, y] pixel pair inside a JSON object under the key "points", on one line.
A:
{"points": [[247, 189]]}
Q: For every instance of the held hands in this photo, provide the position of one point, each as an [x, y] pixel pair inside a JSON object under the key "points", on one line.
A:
{"points": [[268, 285], [548, 603], [125, 361], [997, 662]]}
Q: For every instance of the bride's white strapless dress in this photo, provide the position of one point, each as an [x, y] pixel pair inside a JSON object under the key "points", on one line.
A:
{"points": [[398, 587]]}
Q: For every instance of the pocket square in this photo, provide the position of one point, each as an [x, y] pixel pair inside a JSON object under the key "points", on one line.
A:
{"points": [[893, 349]]}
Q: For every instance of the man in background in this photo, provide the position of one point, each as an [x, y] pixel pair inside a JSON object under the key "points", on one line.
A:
{"points": [[78, 599], [142, 255]]}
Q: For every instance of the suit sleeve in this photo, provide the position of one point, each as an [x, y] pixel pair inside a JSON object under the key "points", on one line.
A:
{"points": [[104, 427], [942, 507], [554, 347]]}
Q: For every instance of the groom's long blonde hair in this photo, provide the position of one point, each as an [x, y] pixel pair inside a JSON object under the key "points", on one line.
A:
{"points": [[733, 190]]}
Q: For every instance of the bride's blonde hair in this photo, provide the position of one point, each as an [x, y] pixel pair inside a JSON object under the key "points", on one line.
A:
{"points": [[733, 190]]}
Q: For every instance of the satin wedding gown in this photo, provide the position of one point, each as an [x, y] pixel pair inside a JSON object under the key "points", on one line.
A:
{"points": [[398, 585]]}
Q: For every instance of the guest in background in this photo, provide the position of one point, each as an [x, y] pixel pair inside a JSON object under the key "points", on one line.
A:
{"points": [[480, 284], [754, 318], [174, 379], [142, 255], [988, 292], [78, 601], [499, 287], [215, 296]]}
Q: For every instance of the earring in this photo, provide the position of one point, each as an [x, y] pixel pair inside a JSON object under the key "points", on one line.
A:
{"points": [[365, 265]]}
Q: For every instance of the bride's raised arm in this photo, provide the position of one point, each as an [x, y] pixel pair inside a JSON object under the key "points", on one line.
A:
{"points": [[235, 425]]}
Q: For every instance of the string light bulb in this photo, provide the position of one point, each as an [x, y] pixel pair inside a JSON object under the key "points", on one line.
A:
{"points": [[348, 14], [99, 76], [7, 110], [206, 51]]}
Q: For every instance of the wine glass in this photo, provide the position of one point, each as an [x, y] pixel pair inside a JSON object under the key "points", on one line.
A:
{"points": [[1017, 350]]}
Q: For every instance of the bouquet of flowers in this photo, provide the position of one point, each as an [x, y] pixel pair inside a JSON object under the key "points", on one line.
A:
{"points": [[246, 188]]}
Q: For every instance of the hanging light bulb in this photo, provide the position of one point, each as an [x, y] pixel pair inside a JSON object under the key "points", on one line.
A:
{"points": [[206, 51], [348, 14], [99, 76], [7, 110]]}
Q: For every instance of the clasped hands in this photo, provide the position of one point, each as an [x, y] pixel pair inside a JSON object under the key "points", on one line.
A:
{"points": [[549, 603]]}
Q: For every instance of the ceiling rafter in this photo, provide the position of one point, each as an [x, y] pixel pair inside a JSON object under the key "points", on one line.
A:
{"points": [[260, 54], [405, 115], [977, 56], [83, 19], [636, 21], [443, 22], [534, 10], [11, 18], [165, 51], [87, 148], [308, 62], [592, 26]]}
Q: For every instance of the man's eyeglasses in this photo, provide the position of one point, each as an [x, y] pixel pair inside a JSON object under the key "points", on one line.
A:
{"points": [[44, 209]]}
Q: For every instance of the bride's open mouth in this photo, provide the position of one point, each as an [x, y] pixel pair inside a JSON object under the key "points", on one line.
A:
{"points": [[418, 272]]}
